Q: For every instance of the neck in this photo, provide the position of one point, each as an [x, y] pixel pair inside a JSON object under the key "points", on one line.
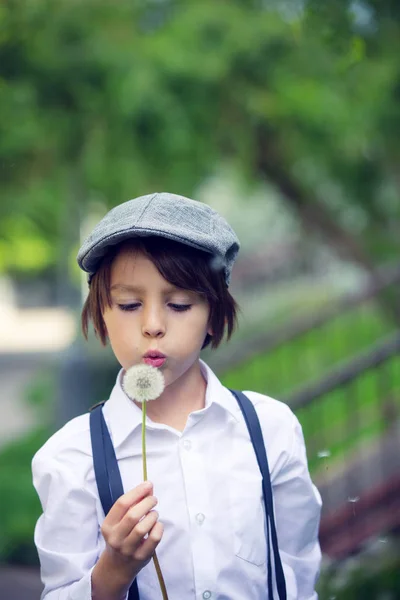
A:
{"points": [[179, 399]]}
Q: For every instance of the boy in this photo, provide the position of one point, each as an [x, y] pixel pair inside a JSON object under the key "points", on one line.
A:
{"points": [[159, 268]]}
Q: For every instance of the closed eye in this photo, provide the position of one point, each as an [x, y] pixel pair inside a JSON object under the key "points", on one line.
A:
{"points": [[128, 307], [175, 307], [180, 307]]}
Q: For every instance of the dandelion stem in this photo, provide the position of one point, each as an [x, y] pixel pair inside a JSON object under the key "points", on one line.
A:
{"points": [[160, 577], [144, 458], [144, 441]]}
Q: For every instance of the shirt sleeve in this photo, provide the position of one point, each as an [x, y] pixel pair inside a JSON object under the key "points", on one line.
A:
{"points": [[67, 532], [297, 506]]}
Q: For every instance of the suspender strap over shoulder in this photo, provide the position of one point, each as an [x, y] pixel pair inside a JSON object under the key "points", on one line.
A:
{"points": [[253, 425], [108, 477]]}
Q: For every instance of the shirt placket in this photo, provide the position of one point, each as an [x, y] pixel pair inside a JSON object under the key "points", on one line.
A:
{"points": [[199, 508]]}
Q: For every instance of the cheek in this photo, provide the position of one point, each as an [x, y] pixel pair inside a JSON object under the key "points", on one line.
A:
{"points": [[107, 320], [199, 326], [114, 324]]}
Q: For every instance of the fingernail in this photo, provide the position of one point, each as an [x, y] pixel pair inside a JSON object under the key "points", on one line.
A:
{"points": [[148, 485]]}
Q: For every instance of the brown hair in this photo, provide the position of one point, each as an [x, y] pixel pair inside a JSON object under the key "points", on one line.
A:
{"points": [[184, 267]]}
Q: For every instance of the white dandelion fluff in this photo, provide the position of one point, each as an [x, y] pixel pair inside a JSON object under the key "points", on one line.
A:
{"points": [[143, 383], [324, 453]]}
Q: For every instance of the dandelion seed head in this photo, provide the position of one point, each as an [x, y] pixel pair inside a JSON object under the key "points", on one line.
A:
{"points": [[324, 453], [143, 383], [354, 499]]}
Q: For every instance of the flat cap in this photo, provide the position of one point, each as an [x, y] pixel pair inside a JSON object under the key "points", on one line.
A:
{"points": [[165, 215]]}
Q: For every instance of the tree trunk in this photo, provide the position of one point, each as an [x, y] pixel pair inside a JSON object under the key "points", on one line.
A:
{"points": [[315, 216]]}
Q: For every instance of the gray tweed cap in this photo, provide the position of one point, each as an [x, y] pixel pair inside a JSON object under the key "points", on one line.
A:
{"points": [[166, 215]]}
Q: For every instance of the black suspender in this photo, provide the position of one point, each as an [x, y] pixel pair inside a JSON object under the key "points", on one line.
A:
{"points": [[106, 470], [110, 486], [253, 425]]}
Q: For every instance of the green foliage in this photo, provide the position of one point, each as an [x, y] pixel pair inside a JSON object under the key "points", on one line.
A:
{"points": [[352, 416], [346, 417], [19, 503], [306, 358], [109, 101], [372, 575]]}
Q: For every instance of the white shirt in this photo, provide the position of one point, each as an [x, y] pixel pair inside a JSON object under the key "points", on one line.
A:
{"points": [[210, 501]]}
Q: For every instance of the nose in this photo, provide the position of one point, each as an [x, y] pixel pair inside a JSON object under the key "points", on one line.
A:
{"points": [[153, 324]]}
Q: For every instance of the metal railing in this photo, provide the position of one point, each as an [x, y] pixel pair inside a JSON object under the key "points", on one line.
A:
{"points": [[300, 352], [351, 423]]}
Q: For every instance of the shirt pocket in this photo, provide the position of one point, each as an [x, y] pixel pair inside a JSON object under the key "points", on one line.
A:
{"points": [[247, 514]]}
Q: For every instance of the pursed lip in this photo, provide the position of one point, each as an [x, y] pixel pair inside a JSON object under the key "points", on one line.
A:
{"points": [[154, 354]]}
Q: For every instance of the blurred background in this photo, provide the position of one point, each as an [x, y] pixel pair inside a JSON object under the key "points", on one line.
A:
{"points": [[284, 116]]}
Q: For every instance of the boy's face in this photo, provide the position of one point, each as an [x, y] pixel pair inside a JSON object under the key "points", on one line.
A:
{"points": [[148, 313]]}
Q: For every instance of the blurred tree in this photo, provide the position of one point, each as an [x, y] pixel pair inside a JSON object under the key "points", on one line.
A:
{"points": [[101, 100]]}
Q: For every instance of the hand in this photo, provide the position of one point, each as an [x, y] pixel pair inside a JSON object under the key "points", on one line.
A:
{"points": [[125, 528]]}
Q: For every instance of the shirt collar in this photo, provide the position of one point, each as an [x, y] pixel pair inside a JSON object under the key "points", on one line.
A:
{"points": [[216, 393], [123, 416]]}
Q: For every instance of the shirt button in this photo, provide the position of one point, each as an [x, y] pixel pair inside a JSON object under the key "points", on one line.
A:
{"points": [[206, 595], [187, 444], [200, 519]]}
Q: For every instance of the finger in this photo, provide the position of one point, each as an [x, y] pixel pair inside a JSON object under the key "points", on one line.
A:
{"points": [[149, 545], [143, 528], [131, 543], [134, 517], [126, 501]]}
